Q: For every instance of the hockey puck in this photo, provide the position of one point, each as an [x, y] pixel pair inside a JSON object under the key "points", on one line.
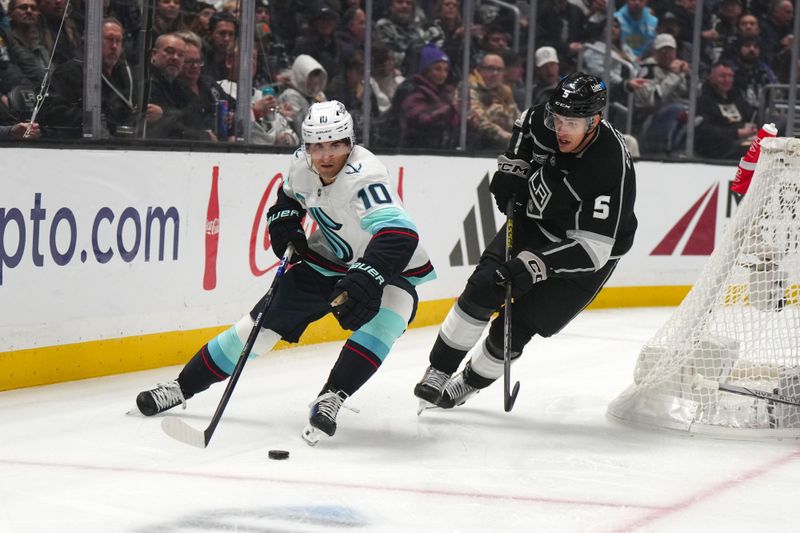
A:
{"points": [[278, 454]]}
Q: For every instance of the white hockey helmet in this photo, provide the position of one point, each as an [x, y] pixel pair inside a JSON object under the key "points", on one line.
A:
{"points": [[328, 121]]}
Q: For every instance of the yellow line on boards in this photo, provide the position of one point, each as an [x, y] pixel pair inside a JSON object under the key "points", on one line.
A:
{"points": [[67, 362]]}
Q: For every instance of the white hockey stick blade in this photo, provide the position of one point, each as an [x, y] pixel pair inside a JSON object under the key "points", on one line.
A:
{"points": [[183, 432]]}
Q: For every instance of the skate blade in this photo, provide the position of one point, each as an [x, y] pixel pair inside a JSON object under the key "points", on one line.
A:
{"points": [[312, 435], [424, 405], [134, 411]]}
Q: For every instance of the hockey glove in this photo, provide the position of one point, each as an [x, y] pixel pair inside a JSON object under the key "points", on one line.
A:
{"points": [[364, 287], [285, 228], [522, 273], [511, 179]]}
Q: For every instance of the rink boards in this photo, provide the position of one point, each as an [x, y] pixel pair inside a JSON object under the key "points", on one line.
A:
{"points": [[114, 261]]}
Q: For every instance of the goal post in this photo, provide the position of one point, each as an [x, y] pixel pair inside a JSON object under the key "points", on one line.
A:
{"points": [[738, 328]]}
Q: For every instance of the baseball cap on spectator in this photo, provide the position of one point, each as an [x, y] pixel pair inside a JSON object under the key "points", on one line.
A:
{"points": [[322, 10], [262, 3], [546, 54], [664, 39], [431, 54]]}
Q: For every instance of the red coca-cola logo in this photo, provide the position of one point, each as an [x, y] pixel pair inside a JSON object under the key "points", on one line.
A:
{"points": [[260, 247]]}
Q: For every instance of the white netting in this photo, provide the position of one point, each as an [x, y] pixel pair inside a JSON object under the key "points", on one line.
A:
{"points": [[740, 323]]}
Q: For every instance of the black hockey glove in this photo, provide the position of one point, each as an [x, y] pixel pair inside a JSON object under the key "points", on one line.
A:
{"points": [[511, 179], [364, 287], [522, 273], [285, 228]]}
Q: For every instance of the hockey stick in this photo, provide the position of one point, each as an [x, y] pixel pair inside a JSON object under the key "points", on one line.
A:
{"points": [[702, 383], [180, 430], [509, 396]]}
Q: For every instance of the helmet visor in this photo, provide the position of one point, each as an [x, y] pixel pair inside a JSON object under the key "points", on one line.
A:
{"points": [[566, 125], [336, 148]]}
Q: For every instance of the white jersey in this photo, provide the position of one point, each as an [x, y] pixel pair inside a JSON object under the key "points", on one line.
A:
{"points": [[348, 212]]}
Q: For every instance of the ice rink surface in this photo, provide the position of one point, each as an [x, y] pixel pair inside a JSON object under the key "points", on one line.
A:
{"points": [[72, 461]]}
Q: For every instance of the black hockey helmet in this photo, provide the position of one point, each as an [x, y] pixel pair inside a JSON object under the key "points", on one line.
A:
{"points": [[578, 95]]}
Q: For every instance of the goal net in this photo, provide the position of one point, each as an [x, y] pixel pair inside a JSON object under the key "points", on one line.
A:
{"points": [[739, 326]]}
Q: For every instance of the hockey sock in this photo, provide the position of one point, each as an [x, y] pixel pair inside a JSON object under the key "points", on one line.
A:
{"points": [[226, 347], [356, 364], [459, 332], [487, 364], [200, 373]]}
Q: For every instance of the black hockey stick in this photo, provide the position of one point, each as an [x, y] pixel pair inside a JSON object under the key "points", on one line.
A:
{"points": [[701, 383], [180, 430], [509, 396]]}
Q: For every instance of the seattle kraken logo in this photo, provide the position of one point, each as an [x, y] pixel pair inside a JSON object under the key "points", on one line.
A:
{"points": [[328, 228]]}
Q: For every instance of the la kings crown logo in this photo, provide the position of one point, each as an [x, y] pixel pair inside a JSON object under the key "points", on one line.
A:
{"points": [[540, 195]]}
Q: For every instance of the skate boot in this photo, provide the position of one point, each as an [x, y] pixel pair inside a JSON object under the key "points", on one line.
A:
{"points": [[165, 396], [323, 415], [457, 390], [429, 389]]}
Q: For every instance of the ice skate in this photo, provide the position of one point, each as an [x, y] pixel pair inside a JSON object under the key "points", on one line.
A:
{"points": [[429, 389], [322, 421], [457, 390], [165, 396]]}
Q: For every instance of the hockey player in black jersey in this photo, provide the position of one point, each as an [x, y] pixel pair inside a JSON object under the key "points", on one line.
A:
{"points": [[573, 183]]}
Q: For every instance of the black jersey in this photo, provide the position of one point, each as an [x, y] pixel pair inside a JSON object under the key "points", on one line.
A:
{"points": [[581, 202]]}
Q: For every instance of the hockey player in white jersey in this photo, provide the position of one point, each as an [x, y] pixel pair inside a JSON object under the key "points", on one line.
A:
{"points": [[365, 256]]}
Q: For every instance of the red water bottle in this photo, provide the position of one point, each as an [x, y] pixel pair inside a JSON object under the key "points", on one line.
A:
{"points": [[212, 234], [747, 165]]}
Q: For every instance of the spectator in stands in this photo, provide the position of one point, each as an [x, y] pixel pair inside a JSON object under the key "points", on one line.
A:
{"points": [[348, 88], [12, 126], [198, 21], [661, 100], [562, 26], [284, 20], [268, 125], [723, 31], [320, 42], [171, 94], [666, 76], [776, 28], [447, 20], [385, 72], [222, 32], [514, 76], [724, 125], [637, 27], [623, 63], [167, 17], [495, 41], [400, 34], [547, 74], [751, 73], [492, 110], [61, 114], [273, 53], [18, 67], [594, 12], [204, 92], [351, 37], [428, 114], [748, 26], [25, 21], [307, 82], [70, 43]]}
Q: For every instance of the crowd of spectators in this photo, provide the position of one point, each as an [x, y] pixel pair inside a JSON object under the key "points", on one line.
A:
{"points": [[184, 86]]}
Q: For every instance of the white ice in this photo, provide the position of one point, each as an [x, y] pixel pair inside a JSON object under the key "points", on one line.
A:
{"points": [[72, 461]]}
